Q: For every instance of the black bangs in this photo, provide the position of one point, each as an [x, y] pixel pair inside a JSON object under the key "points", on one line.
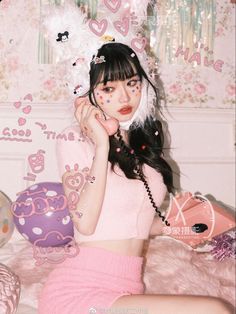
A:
{"points": [[119, 65], [117, 68]]}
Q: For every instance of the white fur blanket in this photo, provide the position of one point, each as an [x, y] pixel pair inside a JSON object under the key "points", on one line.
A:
{"points": [[171, 267]]}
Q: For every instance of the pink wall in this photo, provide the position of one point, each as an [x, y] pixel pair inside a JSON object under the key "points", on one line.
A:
{"points": [[187, 84]]}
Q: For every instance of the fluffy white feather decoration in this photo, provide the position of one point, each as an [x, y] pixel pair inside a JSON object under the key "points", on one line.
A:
{"points": [[75, 40]]}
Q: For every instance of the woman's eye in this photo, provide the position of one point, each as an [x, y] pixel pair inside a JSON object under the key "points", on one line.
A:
{"points": [[133, 82], [108, 89]]}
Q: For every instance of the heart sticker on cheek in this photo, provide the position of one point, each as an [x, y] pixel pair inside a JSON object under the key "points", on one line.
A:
{"points": [[75, 182]]}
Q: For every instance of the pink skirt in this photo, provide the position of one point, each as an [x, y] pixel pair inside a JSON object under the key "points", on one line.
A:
{"points": [[91, 282]]}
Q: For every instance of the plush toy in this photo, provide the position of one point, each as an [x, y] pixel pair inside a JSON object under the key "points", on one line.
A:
{"points": [[6, 219], [9, 290], [41, 215]]}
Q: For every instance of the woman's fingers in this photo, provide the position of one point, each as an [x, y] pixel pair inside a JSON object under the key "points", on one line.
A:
{"points": [[86, 115], [80, 100], [79, 111], [98, 114], [79, 104], [83, 119], [89, 110], [93, 111]]}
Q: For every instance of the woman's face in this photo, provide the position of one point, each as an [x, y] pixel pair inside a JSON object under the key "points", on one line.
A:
{"points": [[119, 99]]}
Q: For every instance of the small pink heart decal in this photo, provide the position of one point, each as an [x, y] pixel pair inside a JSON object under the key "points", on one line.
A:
{"points": [[28, 97], [138, 44], [98, 28], [21, 121], [122, 26], [17, 104], [27, 109], [113, 5]]}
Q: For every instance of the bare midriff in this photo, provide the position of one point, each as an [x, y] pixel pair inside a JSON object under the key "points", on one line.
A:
{"points": [[133, 247]]}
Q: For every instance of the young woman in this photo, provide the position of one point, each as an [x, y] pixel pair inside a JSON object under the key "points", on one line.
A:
{"points": [[115, 185]]}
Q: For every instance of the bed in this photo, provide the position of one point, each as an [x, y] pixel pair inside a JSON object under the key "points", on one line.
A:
{"points": [[170, 267]]}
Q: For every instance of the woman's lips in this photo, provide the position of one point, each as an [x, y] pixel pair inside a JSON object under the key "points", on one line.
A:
{"points": [[126, 110]]}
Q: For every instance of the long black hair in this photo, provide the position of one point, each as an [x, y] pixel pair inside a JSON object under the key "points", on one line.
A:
{"points": [[145, 142]]}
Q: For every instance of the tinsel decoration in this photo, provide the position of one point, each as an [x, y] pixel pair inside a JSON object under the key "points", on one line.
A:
{"points": [[88, 6], [184, 23], [224, 246]]}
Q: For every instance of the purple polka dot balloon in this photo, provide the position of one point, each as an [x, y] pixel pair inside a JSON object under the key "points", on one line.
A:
{"points": [[41, 215]]}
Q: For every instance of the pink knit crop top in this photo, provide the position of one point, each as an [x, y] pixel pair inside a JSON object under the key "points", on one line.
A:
{"points": [[126, 211]]}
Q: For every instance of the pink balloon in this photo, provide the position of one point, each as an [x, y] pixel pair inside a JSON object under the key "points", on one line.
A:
{"points": [[32, 207], [9, 290]]}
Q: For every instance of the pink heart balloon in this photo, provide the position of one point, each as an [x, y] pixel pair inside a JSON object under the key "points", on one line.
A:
{"points": [[111, 125]]}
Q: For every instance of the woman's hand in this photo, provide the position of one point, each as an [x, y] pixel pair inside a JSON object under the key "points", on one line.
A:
{"points": [[86, 115]]}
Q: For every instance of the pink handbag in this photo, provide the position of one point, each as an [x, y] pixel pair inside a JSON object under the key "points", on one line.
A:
{"points": [[194, 219]]}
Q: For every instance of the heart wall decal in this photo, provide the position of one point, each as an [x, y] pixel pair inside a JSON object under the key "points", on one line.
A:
{"points": [[113, 5], [122, 26], [21, 121], [27, 109], [28, 97], [139, 44], [17, 104], [98, 27]]}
